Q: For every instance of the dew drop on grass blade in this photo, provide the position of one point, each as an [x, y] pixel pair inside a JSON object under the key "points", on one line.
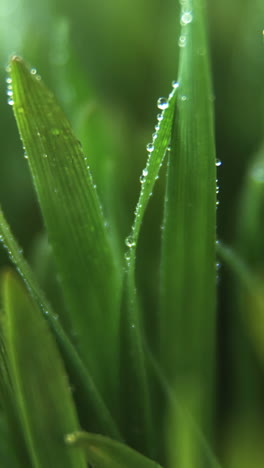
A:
{"points": [[76, 367], [137, 404], [75, 224], [188, 267]]}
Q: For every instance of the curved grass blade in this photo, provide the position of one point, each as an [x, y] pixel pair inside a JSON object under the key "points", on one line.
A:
{"points": [[108, 453], [74, 220], [105, 422], [41, 387], [188, 270], [137, 410]]}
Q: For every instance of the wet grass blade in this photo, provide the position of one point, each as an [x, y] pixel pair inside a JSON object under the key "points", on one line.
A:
{"points": [[137, 401], [41, 387], [106, 453], [74, 220], [79, 373], [188, 283]]}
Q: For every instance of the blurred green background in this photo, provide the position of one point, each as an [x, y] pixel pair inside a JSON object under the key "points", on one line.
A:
{"points": [[108, 62]]}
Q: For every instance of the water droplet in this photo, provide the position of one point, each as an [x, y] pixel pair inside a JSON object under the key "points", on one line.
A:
{"points": [[25, 156], [169, 148], [33, 71], [182, 41], [145, 172], [150, 147], [133, 325], [44, 155], [141, 179], [218, 266], [8, 80], [162, 103], [159, 117], [175, 84], [70, 439], [218, 162], [186, 18], [127, 257], [55, 131], [157, 127], [10, 102], [183, 98], [38, 77], [130, 242], [9, 92], [154, 136], [217, 202]]}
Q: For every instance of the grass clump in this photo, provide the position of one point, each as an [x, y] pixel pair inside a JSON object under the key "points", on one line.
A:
{"points": [[110, 355]]}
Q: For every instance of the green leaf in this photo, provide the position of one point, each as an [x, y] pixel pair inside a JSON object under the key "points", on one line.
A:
{"points": [[140, 432], [41, 387], [80, 375], [74, 220], [188, 270], [107, 453]]}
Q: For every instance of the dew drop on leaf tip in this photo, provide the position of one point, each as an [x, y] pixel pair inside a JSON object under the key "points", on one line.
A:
{"points": [[218, 162], [162, 104]]}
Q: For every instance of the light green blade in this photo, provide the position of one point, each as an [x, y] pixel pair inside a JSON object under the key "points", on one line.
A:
{"points": [[136, 401], [81, 377], [73, 217], [188, 271], [106, 453], [41, 387]]}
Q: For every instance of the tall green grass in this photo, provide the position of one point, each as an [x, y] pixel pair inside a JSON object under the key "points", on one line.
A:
{"points": [[122, 343]]}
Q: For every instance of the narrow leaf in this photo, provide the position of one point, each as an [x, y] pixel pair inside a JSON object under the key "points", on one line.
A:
{"points": [[188, 283], [41, 387], [73, 217], [107, 453], [75, 366], [140, 432]]}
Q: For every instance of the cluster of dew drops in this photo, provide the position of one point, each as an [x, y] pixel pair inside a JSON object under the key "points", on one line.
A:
{"points": [[9, 90], [162, 105]]}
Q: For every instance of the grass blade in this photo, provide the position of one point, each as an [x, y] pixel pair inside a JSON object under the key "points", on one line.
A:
{"points": [[74, 220], [188, 283], [34, 361], [80, 375], [106, 453], [137, 402]]}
